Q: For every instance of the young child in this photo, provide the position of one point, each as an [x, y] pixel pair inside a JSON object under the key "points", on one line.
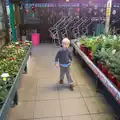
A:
{"points": [[63, 60]]}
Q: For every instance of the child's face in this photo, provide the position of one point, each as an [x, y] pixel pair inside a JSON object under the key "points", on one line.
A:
{"points": [[65, 45]]}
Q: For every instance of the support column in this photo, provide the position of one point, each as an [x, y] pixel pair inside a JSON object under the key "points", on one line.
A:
{"points": [[17, 18], [108, 14], [12, 21], [17, 14], [22, 14], [6, 21]]}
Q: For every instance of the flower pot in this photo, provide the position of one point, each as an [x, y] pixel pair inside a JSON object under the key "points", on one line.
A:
{"points": [[85, 50], [112, 78], [89, 52], [96, 61], [99, 64], [92, 59], [105, 70], [82, 47], [118, 85], [90, 56]]}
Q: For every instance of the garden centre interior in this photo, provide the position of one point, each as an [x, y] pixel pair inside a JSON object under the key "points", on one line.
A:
{"points": [[31, 33]]}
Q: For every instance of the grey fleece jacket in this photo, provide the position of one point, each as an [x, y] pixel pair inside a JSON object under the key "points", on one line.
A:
{"points": [[64, 56]]}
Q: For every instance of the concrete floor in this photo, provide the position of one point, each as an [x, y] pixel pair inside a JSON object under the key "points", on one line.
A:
{"points": [[42, 98]]}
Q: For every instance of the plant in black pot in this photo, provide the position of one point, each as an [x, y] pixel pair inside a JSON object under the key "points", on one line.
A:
{"points": [[114, 67], [118, 81], [101, 56], [111, 72], [3, 87], [95, 48]]}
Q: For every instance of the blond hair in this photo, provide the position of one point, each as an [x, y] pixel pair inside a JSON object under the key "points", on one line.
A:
{"points": [[66, 40]]}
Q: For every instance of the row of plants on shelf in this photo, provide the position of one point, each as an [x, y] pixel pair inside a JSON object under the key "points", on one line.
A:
{"points": [[104, 51], [11, 58]]}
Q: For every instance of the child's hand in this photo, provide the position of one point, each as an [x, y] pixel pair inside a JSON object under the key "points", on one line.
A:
{"points": [[57, 65]]}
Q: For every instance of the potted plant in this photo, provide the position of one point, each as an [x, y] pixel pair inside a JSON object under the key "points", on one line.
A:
{"points": [[3, 87], [101, 57], [104, 68], [118, 81], [112, 78], [82, 44], [111, 73], [116, 73], [106, 57], [82, 47], [95, 48], [115, 68]]}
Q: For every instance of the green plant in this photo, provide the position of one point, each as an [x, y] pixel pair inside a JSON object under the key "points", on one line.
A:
{"points": [[118, 78], [11, 58], [107, 50]]}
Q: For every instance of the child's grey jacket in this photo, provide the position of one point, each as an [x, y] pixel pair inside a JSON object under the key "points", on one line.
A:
{"points": [[64, 56]]}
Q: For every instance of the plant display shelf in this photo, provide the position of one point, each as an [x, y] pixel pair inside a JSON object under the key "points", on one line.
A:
{"points": [[9, 99], [106, 82]]}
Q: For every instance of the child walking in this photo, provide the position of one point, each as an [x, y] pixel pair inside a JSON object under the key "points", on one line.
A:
{"points": [[63, 60]]}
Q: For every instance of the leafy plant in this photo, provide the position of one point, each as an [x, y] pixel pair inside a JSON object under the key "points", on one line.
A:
{"points": [[107, 50], [11, 58]]}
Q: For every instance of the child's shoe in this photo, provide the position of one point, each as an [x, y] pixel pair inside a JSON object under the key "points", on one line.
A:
{"points": [[61, 81], [71, 87]]}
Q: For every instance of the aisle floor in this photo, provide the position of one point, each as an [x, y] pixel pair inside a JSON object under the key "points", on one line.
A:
{"points": [[42, 98]]}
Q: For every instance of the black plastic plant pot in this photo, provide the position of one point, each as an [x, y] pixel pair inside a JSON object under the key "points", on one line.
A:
{"points": [[118, 85], [96, 61], [99, 64], [86, 50], [105, 70], [89, 48], [89, 51], [112, 78], [1, 104], [82, 46], [8, 88]]}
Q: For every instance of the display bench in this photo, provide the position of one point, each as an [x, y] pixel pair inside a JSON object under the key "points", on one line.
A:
{"points": [[8, 102], [106, 82]]}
